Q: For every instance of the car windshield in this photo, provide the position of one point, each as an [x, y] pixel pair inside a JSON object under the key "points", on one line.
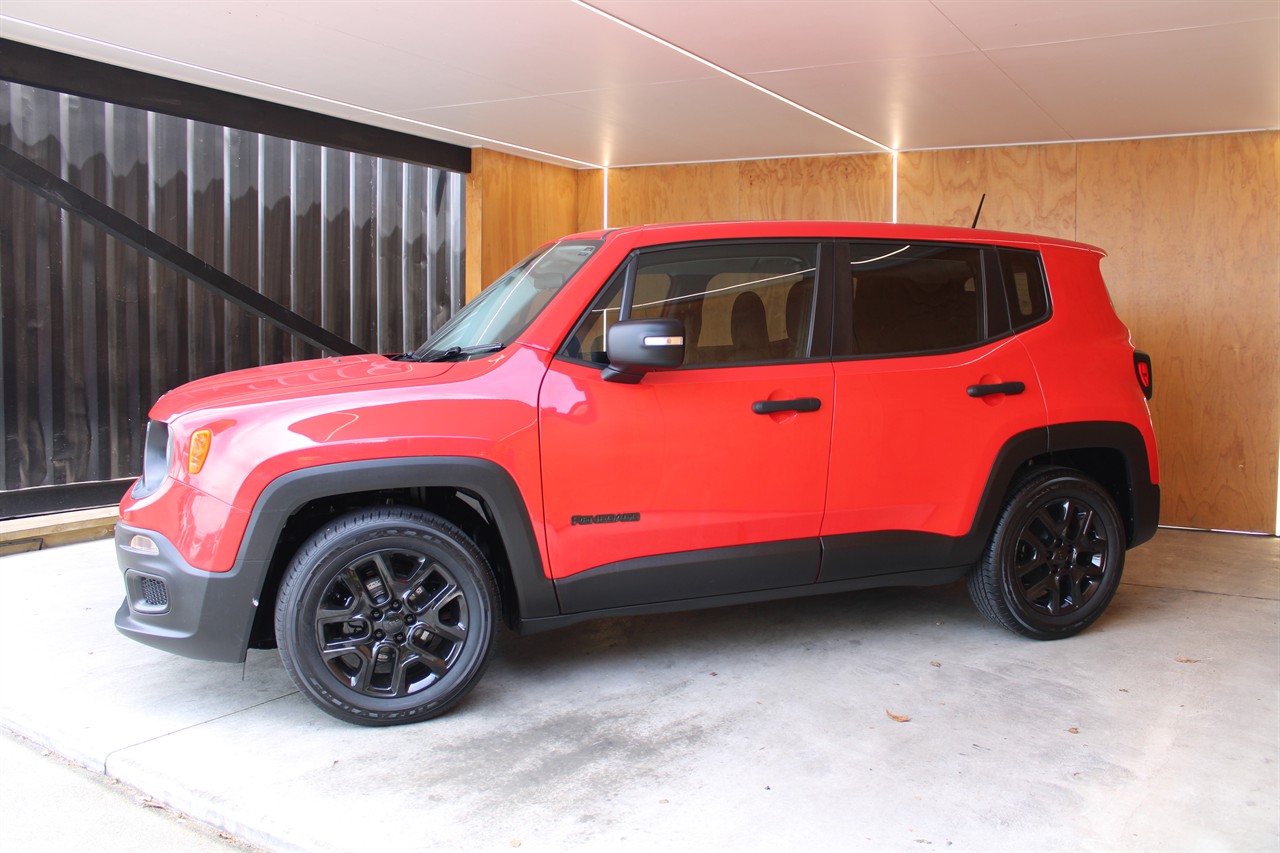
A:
{"points": [[505, 308]]}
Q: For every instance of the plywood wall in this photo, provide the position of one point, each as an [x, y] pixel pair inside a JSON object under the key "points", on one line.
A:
{"points": [[1029, 188], [514, 205], [855, 187], [1192, 226]]}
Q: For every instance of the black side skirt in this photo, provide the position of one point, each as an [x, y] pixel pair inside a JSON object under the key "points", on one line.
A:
{"points": [[749, 573]]}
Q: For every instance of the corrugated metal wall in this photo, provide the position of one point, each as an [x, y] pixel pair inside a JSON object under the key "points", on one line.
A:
{"points": [[92, 331]]}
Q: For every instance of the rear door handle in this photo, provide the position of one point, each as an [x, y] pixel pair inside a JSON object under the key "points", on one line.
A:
{"points": [[999, 388], [801, 404]]}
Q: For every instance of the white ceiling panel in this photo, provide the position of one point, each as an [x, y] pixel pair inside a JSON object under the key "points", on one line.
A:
{"points": [[1167, 83], [568, 82], [543, 47], [993, 24], [714, 119], [752, 36], [936, 102]]}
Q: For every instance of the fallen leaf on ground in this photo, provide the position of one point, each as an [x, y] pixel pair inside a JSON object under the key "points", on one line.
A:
{"points": [[714, 674], [935, 663], [1074, 730], [897, 718], [1187, 660]]}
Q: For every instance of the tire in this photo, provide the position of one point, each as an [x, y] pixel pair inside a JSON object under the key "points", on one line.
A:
{"points": [[1055, 559], [386, 616]]}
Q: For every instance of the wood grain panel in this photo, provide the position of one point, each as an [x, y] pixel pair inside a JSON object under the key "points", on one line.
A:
{"points": [[696, 192], [1192, 226], [1030, 188], [590, 199], [520, 205], [855, 187]]}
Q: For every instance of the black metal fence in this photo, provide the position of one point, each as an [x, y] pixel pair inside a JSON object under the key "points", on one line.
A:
{"points": [[92, 331]]}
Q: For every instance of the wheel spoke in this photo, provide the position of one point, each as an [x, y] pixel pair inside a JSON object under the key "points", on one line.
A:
{"points": [[421, 572], [350, 578], [351, 662], [1076, 592], [1053, 525], [1084, 527], [404, 663], [346, 646], [385, 575], [447, 597], [1037, 557], [452, 633], [442, 598], [1047, 586], [438, 666]]}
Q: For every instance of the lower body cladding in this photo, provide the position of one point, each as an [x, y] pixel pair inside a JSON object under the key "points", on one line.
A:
{"points": [[764, 571], [183, 610]]}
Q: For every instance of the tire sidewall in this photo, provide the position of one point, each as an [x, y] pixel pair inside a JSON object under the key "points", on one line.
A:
{"points": [[323, 559]]}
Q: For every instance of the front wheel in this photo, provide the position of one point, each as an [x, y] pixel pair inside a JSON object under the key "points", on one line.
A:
{"points": [[386, 616], [1055, 559]]}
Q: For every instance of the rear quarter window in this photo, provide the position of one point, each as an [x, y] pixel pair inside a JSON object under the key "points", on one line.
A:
{"points": [[1024, 287]]}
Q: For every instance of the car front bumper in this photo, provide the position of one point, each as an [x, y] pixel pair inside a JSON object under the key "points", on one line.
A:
{"points": [[187, 611]]}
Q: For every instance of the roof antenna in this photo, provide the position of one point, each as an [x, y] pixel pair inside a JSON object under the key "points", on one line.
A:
{"points": [[979, 213]]}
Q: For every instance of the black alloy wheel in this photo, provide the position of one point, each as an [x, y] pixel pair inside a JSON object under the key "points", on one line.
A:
{"points": [[386, 616], [1055, 559]]}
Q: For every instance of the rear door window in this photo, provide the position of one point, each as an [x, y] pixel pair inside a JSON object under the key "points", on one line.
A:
{"points": [[911, 299]]}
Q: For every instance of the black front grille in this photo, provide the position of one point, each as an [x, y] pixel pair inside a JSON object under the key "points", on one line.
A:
{"points": [[155, 593]]}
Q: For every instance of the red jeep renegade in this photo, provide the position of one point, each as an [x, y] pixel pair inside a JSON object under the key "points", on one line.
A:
{"points": [[652, 419]]}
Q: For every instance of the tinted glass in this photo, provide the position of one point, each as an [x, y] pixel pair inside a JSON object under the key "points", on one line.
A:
{"points": [[1024, 287], [739, 303], [915, 299], [505, 308]]}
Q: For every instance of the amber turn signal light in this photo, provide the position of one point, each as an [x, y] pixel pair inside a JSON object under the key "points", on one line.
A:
{"points": [[200, 441]]}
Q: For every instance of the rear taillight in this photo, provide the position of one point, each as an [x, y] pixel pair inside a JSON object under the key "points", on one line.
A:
{"points": [[1142, 366]]}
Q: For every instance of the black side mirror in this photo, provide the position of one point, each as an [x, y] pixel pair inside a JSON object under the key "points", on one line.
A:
{"points": [[636, 347]]}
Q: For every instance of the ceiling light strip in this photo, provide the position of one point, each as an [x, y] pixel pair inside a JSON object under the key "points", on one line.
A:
{"points": [[604, 178], [726, 72], [284, 89], [895, 187]]}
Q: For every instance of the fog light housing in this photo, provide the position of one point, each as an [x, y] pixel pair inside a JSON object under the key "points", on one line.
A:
{"points": [[143, 544]]}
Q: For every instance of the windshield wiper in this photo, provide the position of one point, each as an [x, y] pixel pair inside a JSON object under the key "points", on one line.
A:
{"points": [[459, 352]]}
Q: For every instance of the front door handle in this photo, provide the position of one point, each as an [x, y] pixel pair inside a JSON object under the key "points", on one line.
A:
{"points": [[801, 404], [998, 388]]}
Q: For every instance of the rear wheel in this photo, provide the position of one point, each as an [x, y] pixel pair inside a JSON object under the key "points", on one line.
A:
{"points": [[1055, 559], [386, 616]]}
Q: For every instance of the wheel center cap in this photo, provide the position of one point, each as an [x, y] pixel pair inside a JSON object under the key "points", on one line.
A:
{"points": [[392, 622]]}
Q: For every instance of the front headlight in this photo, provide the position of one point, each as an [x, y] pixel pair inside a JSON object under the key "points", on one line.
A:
{"points": [[155, 459]]}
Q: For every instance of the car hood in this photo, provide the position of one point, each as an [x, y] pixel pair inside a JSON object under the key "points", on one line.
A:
{"points": [[292, 381]]}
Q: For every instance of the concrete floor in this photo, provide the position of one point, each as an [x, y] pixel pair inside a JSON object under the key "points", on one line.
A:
{"points": [[762, 727], [49, 805]]}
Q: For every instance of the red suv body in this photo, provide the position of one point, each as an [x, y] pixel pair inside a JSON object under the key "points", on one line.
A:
{"points": [[648, 419]]}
